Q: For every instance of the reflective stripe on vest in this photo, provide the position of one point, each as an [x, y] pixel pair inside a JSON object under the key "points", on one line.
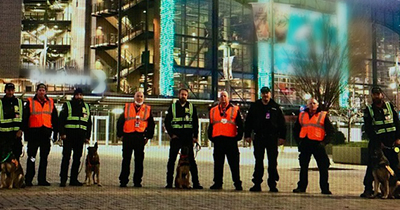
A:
{"points": [[136, 122], [40, 116], [8, 125], [182, 122], [75, 122], [312, 128], [386, 125], [224, 126]]}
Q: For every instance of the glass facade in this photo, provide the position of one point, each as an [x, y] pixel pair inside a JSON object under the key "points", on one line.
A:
{"points": [[193, 48]]}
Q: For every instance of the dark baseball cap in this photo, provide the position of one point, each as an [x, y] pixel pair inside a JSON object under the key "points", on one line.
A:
{"points": [[77, 91], [265, 89], [376, 90], [9, 86], [41, 85]]}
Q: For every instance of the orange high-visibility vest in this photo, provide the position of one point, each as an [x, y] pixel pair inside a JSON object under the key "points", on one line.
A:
{"points": [[312, 128], [40, 116], [136, 122], [224, 125]]}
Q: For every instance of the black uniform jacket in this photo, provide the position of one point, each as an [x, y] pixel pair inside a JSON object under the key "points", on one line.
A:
{"points": [[386, 138], [180, 112], [76, 106], [9, 110], [238, 121], [265, 120]]}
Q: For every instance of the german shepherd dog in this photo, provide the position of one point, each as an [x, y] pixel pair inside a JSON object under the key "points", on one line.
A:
{"points": [[12, 175], [92, 166], [183, 170], [384, 177]]}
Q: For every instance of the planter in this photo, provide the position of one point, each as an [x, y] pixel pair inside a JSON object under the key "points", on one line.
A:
{"points": [[328, 149], [350, 155]]}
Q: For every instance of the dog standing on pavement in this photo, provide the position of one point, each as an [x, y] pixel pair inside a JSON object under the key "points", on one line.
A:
{"points": [[12, 175], [384, 177], [183, 170], [92, 166]]}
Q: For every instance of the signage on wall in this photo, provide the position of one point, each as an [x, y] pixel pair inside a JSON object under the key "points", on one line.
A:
{"points": [[97, 79]]}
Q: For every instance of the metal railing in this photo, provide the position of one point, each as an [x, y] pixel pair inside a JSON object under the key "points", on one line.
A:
{"points": [[112, 6], [105, 40]]}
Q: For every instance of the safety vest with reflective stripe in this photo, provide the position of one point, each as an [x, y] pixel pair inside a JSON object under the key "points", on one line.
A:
{"points": [[182, 122], [386, 125], [224, 125], [12, 124], [136, 122], [312, 128], [77, 122], [40, 116]]}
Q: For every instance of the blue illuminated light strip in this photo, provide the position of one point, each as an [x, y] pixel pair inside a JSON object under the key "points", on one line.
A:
{"points": [[167, 11], [342, 26], [264, 58], [264, 64]]}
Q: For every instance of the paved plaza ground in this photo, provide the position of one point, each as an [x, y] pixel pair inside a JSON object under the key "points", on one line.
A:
{"points": [[345, 181]]}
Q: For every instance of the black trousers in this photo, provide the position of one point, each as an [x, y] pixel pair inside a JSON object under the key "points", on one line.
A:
{"points": [[270, 144], [393, 159], [134, 143], [9, 142], [224, 146], [71, 143], [315, 148], [175, 145], [34, 143]]}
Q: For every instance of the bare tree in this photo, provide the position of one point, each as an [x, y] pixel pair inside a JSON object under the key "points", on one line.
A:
{"points": [[320, 67]]}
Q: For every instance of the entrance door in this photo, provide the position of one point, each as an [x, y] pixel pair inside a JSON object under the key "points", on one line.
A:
{"points": [[100, 131], [203, 135]]}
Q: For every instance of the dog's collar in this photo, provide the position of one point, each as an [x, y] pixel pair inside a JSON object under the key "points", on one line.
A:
{"points": [[7, 156]]}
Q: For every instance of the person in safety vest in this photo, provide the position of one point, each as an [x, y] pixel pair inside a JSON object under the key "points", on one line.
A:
{"points": [[312, 131], [266, 119], [135, 126], [75, 130], [382, 128], [11, 110], [40, 120], [225, 129], [182, 125]]}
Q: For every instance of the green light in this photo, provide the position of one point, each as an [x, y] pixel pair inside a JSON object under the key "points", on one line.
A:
{"points": [[167, 47]]}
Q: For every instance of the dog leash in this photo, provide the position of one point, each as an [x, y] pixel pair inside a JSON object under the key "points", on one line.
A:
{"points": [[197, 148], [82, 158], [396, 149]]}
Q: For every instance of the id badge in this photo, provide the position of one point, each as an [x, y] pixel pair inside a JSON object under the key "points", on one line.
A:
{"points": [[268, 116], [137, 123]]}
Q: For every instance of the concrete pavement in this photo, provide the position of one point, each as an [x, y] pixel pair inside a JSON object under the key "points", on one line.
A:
{"points": [[345, 181]]}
